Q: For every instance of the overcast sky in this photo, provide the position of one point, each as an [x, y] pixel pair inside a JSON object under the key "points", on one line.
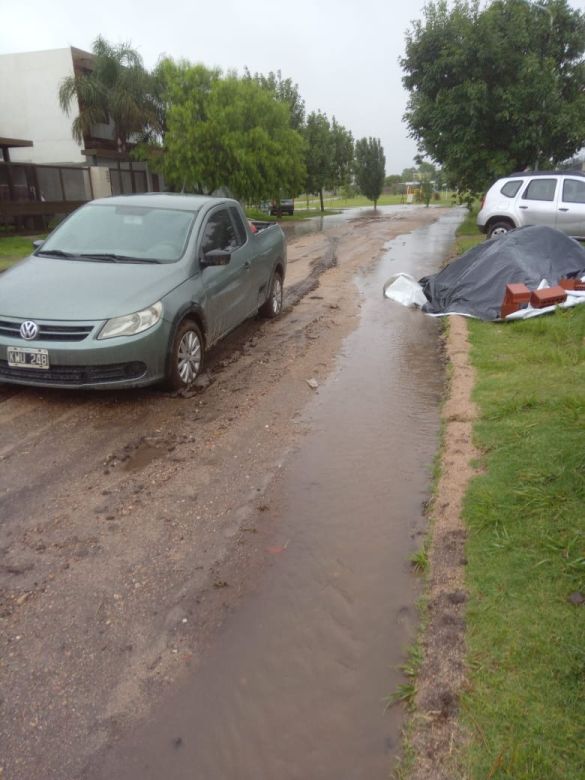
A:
{"points": [[343, 54]]}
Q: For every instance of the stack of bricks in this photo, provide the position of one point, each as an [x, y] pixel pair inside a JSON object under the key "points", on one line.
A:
{"points": [[517, 297], [550, 296], [572, 284]]}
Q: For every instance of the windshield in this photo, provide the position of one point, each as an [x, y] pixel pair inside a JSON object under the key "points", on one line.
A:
{"points": [[122, 233]]}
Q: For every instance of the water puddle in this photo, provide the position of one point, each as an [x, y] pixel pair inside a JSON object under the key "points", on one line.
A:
{"points": [[317, 224], [295, 686]]}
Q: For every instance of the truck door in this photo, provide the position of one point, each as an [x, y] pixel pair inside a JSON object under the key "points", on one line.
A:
{"points": [[571, 207], [260, 253], [537, 203], [228, 286]]}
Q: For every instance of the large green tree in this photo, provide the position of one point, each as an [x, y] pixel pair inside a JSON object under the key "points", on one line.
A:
{"points": [[117, 90], [343, 152], [370, 167], [329, 154], [320, 154], [285, 91], [227, 132], [496, 89]]}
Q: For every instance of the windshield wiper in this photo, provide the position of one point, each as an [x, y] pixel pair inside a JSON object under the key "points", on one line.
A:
{"points": [[114, 258], [55, 253]]}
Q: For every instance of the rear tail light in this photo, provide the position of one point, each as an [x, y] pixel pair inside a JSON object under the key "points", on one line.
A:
{"points": [[482, 202]]}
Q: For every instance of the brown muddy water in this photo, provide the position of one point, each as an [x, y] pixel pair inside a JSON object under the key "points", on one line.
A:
{"points": [[296, 683]]}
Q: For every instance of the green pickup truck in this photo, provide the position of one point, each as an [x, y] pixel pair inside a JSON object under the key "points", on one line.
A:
{"points": [[132, 290]]}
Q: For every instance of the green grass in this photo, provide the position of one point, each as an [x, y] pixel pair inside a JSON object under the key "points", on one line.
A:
{"points": [[526, 551], [14, 248], [340, 202], [420, 560], [468, 234]]}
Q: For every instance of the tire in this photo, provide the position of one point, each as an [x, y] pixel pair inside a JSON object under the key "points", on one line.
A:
{"points": [[186, 356], [499, 229], [272, 306]]}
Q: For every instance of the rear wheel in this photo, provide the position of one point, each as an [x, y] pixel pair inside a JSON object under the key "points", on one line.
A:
{"points": [[186, 358], [499, 229], [272, 307]]}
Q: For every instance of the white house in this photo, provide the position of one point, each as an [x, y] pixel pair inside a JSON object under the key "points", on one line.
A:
{"points": [[29, 104]]}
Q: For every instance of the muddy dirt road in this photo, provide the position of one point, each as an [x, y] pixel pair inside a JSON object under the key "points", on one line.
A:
{"points": [[140, 534]]}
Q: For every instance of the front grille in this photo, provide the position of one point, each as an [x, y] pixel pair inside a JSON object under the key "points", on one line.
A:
{"points": [[47, 331], [75, 375]]}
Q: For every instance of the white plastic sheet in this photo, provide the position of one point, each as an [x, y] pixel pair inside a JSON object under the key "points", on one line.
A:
{"points": [[404, 289]]}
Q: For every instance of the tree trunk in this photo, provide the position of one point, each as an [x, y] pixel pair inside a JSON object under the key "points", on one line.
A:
{"points": [[321, 199]]}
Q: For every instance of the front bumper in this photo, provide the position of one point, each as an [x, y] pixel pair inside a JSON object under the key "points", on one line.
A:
{"points": [[126, 361]]}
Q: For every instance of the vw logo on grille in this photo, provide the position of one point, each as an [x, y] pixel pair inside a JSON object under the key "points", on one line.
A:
{"points": [[29, 330]]}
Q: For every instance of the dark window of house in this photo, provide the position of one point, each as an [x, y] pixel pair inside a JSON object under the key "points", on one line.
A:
{"points": [[574, 191], [511, 188], [540, 189]]}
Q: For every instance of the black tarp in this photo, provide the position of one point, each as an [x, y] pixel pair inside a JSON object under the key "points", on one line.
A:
{"points": [[476, 282]]}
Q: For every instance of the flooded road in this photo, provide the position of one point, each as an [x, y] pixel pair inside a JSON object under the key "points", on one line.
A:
{"points": [[318, 224], [295, 684]]}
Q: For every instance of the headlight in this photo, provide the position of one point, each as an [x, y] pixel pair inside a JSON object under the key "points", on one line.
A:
{"points": [[131, 324]]}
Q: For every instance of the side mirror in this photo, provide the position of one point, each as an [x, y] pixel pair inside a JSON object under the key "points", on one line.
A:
{"points": [[38, 243], [216, 257]]}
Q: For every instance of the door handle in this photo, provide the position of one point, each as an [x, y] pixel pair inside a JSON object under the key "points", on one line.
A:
{"points": [[523, 207], [563, 209]]}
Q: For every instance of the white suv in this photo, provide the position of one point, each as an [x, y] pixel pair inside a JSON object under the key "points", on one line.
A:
{"points": [[552, 198]]}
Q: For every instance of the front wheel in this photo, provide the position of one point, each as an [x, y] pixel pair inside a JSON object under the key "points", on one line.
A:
{"points": [[272, 307], [186, 358]]}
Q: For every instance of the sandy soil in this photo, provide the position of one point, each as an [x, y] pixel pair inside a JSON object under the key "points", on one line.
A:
{"points": [[436, 729], [127, 518]]}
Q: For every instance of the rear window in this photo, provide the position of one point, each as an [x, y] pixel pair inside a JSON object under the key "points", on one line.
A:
{"points": [[540, 189], [573, 191], [510, 188]]}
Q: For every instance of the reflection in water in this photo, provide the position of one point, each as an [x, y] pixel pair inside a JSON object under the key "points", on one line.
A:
{"points": [[317, 224], [295, 687]]}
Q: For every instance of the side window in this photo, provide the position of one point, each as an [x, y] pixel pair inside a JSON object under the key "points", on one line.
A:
{"points": [[510, 188], [239, 226], [574, 191], [219, 233], [540, 189]]}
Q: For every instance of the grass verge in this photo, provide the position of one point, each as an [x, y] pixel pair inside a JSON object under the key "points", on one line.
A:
{"points": [[360, 201], [526, 551], [525, 707], [468, 234], [14, 248]]}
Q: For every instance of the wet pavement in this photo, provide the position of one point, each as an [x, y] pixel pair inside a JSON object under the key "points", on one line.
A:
{"points": [[295, 685]]}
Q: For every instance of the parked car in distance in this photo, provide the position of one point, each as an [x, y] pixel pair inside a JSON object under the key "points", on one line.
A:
{"points": [[552, 198], [283, 206], [132, 290]]}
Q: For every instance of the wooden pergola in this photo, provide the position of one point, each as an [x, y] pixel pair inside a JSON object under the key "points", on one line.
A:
{"points": [[11, 143]]}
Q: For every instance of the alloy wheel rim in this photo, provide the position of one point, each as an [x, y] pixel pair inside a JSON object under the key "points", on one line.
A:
{"points": [[189, 357], [276, 295]]}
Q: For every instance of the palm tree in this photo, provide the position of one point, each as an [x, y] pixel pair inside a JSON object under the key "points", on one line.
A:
{"points": [[118, 90]]}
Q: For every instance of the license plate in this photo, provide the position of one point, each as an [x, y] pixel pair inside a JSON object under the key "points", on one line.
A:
{"points": [[28, 358]]}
